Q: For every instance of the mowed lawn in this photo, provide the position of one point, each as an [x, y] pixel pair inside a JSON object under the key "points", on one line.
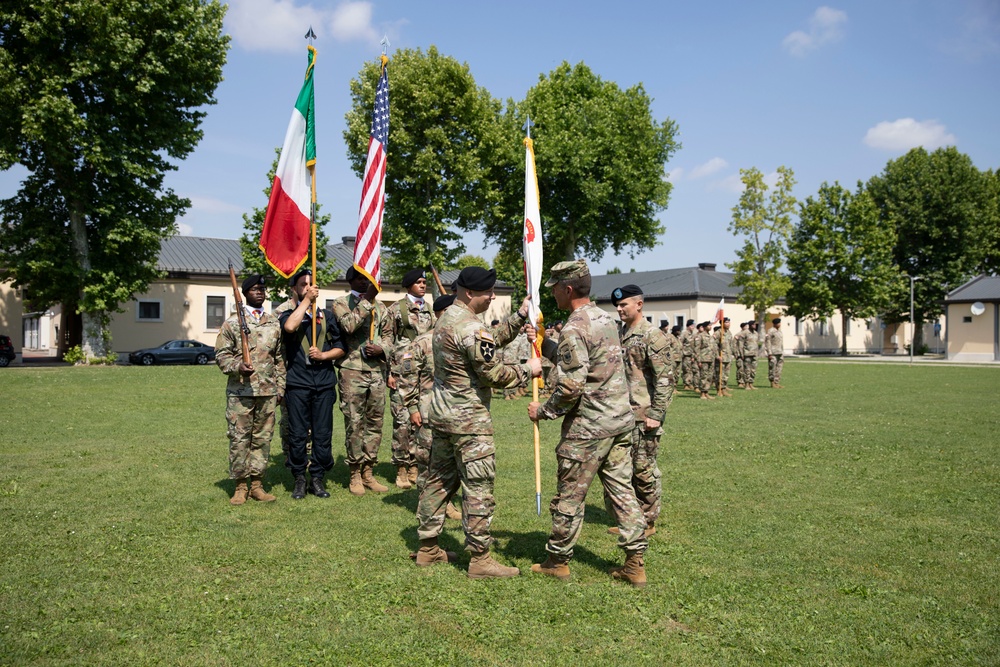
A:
{"points": [[850, 519]]}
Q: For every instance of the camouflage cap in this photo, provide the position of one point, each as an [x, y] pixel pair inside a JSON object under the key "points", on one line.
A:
{"points": [[576, 268]]}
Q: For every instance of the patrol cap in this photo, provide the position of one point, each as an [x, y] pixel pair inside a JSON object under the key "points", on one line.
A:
{"points": [[776, 320], [442, 302], [298, 274], [621, 293], [250, 281], [412, 276], [576, 268], [477, 279]]}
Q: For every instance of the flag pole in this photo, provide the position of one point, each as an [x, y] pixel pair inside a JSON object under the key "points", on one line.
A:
{"points": [[310, 35], [537, 346]]}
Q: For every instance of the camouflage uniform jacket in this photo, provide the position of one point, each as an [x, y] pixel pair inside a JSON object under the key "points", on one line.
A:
{"points": [[354, 315], [649, 370], [406, 321], [517, 351], [705, 347], [593, 389], [673, 346], [284, 306], [466, 367], [264, 341], [417, 372], [726, 345], [688, 342], [738, 342], [774, 342], [751, 344]]}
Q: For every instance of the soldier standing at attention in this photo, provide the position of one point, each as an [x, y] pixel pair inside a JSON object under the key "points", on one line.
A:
{"points": [[466, 368], [593, 399], [408, 318], [738, 339], [310, 386], [364, 328], [676, 353], [774, 347], [650, 375], [723, 360], [252, 392], [689, 362], [751, 346], [706, 349]]}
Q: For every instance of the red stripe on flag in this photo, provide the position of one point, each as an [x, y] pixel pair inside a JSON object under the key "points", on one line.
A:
{"points": [[285, 237]]}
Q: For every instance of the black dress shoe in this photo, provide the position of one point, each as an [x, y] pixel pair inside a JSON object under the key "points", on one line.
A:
{"points": [[299, 492], [317, 488]]}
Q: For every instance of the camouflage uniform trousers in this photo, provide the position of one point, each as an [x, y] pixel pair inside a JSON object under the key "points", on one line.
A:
{"points": [[646, 477], [469, 461], [362, 400], [774, 365], [578, 463], [678, 370], [690, 368], [705, 379], [741, 374], [251, 426], [724, 382], [404, 433], [749, 369]]}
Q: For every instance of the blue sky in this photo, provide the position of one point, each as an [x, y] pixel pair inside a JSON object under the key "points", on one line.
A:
{"points": [[831, 91]]}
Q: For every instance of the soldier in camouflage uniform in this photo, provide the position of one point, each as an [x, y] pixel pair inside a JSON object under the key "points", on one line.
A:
{"points": [[365, 330], [774, 347], [466, 368], [676, 353], [650, 374], [723, 359], [689, 361], [706, 349], [593, 399], [408, 318], [741, 376], [751, 347], [517, 351], [252, 392]]}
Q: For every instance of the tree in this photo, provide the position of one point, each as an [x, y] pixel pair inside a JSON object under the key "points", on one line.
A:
{"points": [[99, 98], [840, 258], [600, 158], [253, 257], [469, 259], [767, 224], [444, 140], [941, 208]]}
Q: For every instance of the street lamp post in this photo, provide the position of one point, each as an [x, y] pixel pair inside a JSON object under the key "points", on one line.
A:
{"points": [[913, 330]]}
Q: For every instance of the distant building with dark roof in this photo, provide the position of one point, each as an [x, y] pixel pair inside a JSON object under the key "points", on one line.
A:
{"points": [[973, 315]]}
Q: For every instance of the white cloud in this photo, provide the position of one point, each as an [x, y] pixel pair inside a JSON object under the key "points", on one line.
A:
{"points": [[826, 26], [674, 174], [732, 183], [210, 205], [184, 229], [279, 25], [714, 165], [907, 133]]}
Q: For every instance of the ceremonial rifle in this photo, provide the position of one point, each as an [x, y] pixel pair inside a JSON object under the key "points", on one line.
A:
{"points": [[241, 315]]}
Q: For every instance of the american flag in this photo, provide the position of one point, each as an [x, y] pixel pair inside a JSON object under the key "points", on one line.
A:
{"points": [[368, 247]]}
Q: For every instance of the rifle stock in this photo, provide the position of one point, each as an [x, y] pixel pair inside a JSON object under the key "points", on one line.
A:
{"points": [[241, 315]]}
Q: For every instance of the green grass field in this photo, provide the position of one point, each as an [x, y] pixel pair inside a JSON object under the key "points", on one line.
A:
{"points": [[850, 519]]}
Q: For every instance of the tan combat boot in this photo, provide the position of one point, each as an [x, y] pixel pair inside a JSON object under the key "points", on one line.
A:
{"points": [[368, 479], [403, 478], [452, 512], [430, 553], [726, 392], [483, 566], [257, 491], [411, 474], [634, 571], [553, 567], [356, 487], [240, 495]]}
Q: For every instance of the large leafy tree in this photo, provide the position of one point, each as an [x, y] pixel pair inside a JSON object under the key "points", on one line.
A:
{"points": [[766, 223], [99, 99], [840, 258], [600, 157], [253, 256], [445, 140], [942, 209]]}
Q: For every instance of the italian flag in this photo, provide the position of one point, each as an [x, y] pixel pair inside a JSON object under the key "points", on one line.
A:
{"points": [[286, 235]]}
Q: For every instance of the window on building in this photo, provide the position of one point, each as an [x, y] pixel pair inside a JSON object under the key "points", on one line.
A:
{"points": [[148, 311], [215, 312], [967, 318], [847, 328], [329, 304], [649, 318], [798, 327], [679, 321], [822, 327]]}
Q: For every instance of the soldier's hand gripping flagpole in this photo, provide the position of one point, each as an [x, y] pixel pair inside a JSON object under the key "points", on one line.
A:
{"points": [[533, 280]]}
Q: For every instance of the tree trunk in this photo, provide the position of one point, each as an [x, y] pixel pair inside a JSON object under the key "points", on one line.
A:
{"points": [[918, 336], [570, 247], [843, 333], [93, 337]]}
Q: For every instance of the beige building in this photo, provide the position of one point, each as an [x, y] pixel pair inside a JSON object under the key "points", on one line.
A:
{"points": [[673, 296], [974, 313], [191, 301]]}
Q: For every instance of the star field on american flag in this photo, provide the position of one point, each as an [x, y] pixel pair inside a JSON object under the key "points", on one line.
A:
{"points": [[380, 117]]}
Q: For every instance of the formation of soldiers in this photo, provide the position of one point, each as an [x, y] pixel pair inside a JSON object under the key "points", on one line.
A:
{"points": [[611, 384]]}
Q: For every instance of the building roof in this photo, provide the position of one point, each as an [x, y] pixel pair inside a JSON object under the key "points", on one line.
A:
{"points": [[697, 282], [980, 288]]}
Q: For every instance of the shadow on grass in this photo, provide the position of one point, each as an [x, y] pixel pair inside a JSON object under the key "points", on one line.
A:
{"points": [[531, 546]]}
